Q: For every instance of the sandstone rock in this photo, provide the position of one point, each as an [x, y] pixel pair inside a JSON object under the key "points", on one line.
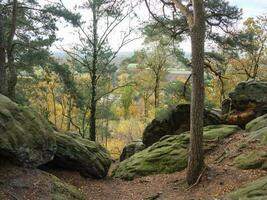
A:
{"points": [[32, 184], [83, 155], [25, 137], [256, 190], [131, 149], [169, 154], [177, 121], [246, 102]]}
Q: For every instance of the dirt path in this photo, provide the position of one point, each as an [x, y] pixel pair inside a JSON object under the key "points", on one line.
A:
{"points": [[219, 179]]}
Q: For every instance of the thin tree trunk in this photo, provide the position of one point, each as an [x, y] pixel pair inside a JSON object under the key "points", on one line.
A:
{"points": [[156, 92], [93, 76], [3, 74], [69, 113], [196, 157], [12, 78]]}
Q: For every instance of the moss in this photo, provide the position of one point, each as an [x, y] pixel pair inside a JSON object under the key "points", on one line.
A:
{"points": [[64, 191], [256, 190], [168, 155], [257, 123], [219, 132], [251, 160], [26, 138], [87, 157]]}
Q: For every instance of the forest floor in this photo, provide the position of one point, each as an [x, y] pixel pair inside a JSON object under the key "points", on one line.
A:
{"points": [[220, 178]]}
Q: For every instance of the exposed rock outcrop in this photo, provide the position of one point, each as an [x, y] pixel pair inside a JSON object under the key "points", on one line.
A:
{"points": [[177, 121], [254, 155], [246, 102], [76, 153], [131, 149], [169, 154], [25, 137], [256, 190], [32, 184]]}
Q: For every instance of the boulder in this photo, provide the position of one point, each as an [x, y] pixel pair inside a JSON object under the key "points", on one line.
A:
{"points": [[169, 154], [175, 122], [32, 184], [246, 102], [25, 137], [83, 155], [131, 149], [254, 156], [252, 160], [257, 190]]}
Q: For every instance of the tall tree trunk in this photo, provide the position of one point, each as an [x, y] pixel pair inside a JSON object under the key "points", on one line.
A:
{"points": [[156, 91], [93, 76], [3, 74], [69, 103], [12, 71], [196, 157]]}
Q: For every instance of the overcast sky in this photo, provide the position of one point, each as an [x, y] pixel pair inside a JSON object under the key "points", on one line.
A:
{"points": [[251, 8]]}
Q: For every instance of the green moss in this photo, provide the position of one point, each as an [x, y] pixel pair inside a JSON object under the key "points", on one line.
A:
{"points": [[63, 191], [256, 190], [219, 132], [252, 160], [88, 157], [26, 138], [257, 123], [168, 155]]}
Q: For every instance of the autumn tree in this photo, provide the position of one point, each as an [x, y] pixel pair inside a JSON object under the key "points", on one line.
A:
{"points": [[93, 52], [195, 18], [246, 47]]}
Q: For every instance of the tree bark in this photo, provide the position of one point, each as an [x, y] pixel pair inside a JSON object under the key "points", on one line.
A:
{"points": [[94, 76], [3, 74], [156, 91], [196, 156], [12, 71]]}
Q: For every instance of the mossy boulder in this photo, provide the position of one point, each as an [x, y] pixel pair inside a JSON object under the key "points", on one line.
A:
{"points": [[131, 149], [175, 121], [257, 129], [256, 190], [257, 124], [168, 155], [250, 92], [252, 160], [25, 137], [32, 184], [257, 140], [83, 155], [247, 102], [60, 190]]}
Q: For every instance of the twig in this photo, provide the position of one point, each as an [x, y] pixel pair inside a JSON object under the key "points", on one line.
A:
{"points": [[198, 179]]}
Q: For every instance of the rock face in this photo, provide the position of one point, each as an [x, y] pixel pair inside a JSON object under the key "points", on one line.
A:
{"points": [[177, 121], [75, 153], [256, 190], [246, 102], [32, 184], [255, 157], [169, 154], [25, 137], [131, 149]]}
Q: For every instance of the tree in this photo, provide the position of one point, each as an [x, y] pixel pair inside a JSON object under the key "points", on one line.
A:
{"points": [[191, 17], [247, 47], [157, 63], [93, 52], [26, 30]]}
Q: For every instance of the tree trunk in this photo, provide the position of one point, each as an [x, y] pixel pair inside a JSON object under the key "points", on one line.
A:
{"points": [[3, 74], [12, 71], [196, 157], [94, 76], [156, 92]]}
